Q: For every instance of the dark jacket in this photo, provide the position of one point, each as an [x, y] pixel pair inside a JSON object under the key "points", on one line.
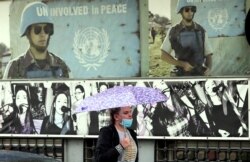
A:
{"points": [[108, 139], [51, 128]]}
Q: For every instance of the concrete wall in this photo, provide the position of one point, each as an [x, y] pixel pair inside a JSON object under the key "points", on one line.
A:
{"points": [[73, 151]]}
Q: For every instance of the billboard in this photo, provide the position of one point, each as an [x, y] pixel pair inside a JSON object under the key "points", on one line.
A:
{"points": [[213, 43], [92, 39], [98, 39], [204, 108]]}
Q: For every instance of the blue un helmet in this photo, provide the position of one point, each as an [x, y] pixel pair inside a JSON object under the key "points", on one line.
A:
{"points": [[34, 13], [184, 3]]}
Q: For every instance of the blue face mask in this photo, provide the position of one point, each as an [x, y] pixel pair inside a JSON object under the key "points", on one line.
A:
{"points": [[127, 122]]}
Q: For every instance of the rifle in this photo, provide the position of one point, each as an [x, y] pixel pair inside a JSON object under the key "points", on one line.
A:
{"points": [[198, 70]]}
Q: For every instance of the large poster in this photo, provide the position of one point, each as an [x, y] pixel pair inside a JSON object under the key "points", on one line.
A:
{"points": [[198, 38], [98, 39], [194, 108], [87, 39]]}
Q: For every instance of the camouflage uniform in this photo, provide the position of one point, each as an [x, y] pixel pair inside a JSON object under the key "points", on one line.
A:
{"points": [[25, 66]]}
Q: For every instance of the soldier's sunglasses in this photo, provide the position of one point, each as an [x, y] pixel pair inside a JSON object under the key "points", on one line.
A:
{"points": [[48, 29], [187, 9]]}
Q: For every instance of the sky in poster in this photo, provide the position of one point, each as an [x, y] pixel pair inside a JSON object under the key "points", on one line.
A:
{"points": [[160, 7], [4, 23]]}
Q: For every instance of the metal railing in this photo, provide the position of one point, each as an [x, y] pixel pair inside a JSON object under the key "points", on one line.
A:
{"points": [[202, 151], [51, 147]]}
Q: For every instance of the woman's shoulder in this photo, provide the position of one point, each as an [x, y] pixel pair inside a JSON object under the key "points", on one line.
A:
{"points": [[109, 128], [46, 118], [108, 131]]}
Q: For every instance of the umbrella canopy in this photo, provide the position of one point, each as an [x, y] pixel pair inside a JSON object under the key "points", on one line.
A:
{"points": [[18, 156], [120, 96]]}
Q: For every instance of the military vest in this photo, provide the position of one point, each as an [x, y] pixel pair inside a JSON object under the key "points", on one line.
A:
{"points": [[188, 43]]}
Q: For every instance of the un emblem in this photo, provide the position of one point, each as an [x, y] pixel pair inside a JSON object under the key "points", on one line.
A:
{"points": [[218, 18], [91, 47]]}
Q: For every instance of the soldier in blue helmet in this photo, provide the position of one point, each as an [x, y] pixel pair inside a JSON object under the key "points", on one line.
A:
{"points": [[37, 62], [189, 41]]}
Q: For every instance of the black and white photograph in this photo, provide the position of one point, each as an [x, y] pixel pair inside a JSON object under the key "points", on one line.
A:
{"points": [[191, 108]]}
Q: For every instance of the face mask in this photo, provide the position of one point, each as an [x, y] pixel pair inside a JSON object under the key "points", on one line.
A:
{"points": [[127, 122]]}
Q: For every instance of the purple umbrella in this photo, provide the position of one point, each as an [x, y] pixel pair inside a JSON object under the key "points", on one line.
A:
{"points": [[121, 96]]}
